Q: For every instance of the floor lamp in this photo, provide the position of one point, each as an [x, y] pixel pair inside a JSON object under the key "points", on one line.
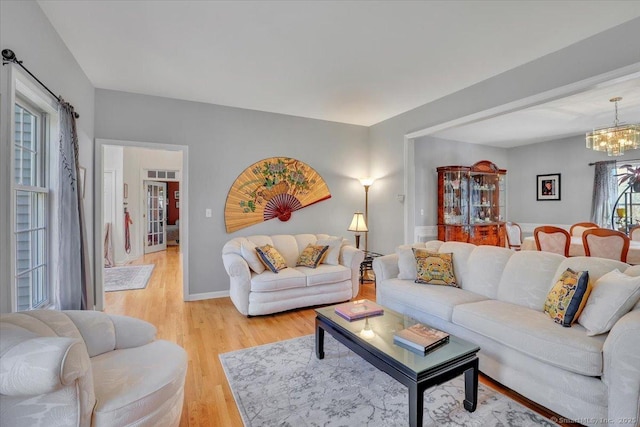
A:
{"points": [[366, 182]]}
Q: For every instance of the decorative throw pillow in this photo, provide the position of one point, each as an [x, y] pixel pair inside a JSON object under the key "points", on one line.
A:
{"points": [[568, 296], [311, 256], [271, 258], [332, 256], [434, 268], [249, 253], [407, 261], [613, 296]]}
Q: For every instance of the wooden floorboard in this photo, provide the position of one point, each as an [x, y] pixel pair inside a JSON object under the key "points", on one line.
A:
{"points": [[208, 328]]}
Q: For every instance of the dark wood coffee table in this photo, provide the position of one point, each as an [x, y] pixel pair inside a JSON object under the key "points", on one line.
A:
{"points": [[415, 371]]}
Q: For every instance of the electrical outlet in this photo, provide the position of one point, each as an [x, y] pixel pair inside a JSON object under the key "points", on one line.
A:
{"points": [[207, 213]]}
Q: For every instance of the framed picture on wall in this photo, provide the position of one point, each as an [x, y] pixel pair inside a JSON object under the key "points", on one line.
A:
{"points": [[548, 187], [176, 195]]}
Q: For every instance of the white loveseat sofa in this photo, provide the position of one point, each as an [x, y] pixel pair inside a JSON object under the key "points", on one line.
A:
{"points": [[266, 292], [87, 368], [499, 306]]}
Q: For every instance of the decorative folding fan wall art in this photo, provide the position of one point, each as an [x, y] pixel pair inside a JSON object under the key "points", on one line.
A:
{"points": [[272, 188]]}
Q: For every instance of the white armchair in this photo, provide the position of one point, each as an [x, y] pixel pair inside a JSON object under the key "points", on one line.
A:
{"points": [[87, 368]]}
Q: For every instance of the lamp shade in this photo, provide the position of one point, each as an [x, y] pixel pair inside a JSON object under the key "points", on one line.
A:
{"points": [[357, 223]]}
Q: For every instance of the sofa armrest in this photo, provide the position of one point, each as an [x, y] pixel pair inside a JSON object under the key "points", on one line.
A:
{"points": [[132, 332], [351, 257], [621, 372], [42, 365], [239, 280], [386, 267]]}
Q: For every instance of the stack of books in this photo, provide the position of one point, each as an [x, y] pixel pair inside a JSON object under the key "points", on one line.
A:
{"points": [[420, 338], [359, 309]]}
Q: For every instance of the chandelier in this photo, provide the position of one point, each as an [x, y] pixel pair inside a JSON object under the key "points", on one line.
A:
{"points": [[614, 140]]}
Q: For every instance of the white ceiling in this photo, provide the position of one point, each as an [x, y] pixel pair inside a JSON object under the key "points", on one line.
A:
{"points": [[347, 61], [569, 116]]}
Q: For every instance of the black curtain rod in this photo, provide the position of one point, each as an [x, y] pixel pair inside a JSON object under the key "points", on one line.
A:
{"points": [[620, 161], [8, 56]]}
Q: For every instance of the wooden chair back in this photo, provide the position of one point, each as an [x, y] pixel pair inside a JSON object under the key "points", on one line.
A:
{"points": [[578, 228], [514, 235], [605, 243], [552, 239], [634, 233]]}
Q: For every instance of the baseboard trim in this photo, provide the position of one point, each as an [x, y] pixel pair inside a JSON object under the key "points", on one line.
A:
{"points": [[207, 295]]}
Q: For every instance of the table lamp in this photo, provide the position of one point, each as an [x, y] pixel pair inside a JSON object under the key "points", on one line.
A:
{"points": [[358, 226]]}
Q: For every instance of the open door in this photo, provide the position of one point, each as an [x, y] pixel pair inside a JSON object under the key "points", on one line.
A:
{"points": [[156, 216]]}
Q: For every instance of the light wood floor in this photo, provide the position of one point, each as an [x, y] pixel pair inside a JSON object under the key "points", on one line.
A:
{"points": [[208, 328]]}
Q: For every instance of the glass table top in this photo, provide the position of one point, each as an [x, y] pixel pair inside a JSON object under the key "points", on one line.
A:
{"points": [[384, 326]]}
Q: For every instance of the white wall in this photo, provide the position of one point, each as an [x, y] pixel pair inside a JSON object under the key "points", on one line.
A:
{"points": [[113, 160], [222, 142], [571, 159], [25, 29], [591, 57]]}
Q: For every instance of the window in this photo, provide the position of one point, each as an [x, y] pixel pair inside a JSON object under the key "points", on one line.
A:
{"points": [[627, 206], [30, 198]]}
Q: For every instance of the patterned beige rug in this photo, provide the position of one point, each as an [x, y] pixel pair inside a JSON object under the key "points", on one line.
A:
{"points": [[127, 277], [284, 384]]}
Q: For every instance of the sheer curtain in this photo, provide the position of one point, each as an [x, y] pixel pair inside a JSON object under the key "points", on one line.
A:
{"points": [[605, 193], [74, 290]]}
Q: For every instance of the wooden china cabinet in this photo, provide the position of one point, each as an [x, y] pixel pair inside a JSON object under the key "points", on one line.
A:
{"points": [[472, 203]]}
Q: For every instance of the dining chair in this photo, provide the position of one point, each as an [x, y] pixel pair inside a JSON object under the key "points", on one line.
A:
{"points": [[578, 228], [514, 235], [605, 243], [634, 233], [552, 239]]}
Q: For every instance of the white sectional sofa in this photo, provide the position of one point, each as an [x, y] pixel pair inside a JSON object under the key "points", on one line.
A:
{"points": [[257, 291], [87, 368], [499, 306]]}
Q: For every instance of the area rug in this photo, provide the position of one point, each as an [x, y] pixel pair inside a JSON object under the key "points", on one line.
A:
{"points": [[127, 277], [284, 384]]}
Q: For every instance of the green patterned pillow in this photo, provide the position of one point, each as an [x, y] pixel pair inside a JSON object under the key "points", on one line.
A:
{"points": [[568, 296], [312, 255], [434, 268], [271, 258]]}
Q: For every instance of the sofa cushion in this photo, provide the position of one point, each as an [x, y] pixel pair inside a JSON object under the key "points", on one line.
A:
{"points": [[333, 252], [311, 256], [288, 247], [132, 383], [486, 264], [284, 279], [461, 252], [527, 278], [567, 297], [249, 253], [324, 274], [434, 268], [595, 266], [407, 261], [436, 300], [271, 258], [532, 332], [613, 296]]}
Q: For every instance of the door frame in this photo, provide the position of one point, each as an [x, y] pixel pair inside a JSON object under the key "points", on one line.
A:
{"points": [[98, 232]]}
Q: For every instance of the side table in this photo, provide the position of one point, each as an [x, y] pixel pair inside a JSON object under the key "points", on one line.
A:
{"points": [[367, 266]]}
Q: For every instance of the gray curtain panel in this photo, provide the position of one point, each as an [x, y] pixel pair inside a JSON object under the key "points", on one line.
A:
{"points": [[605, 193], [74, 275]]}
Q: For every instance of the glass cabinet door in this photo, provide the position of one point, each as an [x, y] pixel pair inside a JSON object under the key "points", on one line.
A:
{"points": [[456, 198], [485, 198]]}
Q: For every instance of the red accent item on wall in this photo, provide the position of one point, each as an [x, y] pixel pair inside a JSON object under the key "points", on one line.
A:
{"points": [[173, 213]]}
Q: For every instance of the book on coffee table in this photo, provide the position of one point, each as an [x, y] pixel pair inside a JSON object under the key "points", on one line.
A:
{"points": [[354, 310], [420, 338]]}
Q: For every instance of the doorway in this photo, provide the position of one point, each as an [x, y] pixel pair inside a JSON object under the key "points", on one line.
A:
{"points": [[143, 197]]}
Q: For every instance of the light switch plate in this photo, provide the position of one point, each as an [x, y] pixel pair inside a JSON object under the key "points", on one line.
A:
{"points": [[207, 213]]}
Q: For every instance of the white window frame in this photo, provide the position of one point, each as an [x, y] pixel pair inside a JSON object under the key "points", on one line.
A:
{"points": [[27, 93]]}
